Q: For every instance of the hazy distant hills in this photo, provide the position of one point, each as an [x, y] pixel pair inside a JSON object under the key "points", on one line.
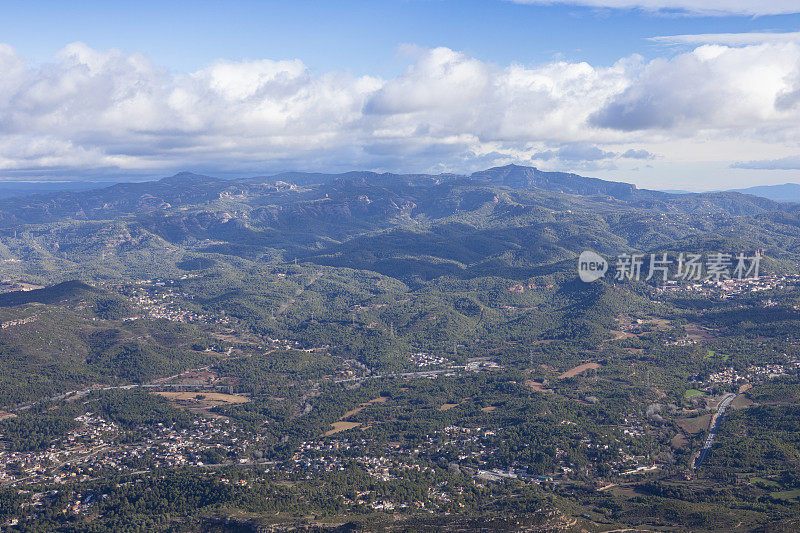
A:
{"points": [[513, 176], [788, 192], [11, 189]]}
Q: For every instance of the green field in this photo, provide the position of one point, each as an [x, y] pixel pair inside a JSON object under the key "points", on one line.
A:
{"points": [[787, 495], [712, 353], [759, 481]]}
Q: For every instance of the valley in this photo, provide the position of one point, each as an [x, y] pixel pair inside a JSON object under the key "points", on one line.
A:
{"points": [[390, 351]]}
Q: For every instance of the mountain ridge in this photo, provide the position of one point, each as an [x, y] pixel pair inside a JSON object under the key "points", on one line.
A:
{"points": [[512, 176], [510, 220], [785, 192]]}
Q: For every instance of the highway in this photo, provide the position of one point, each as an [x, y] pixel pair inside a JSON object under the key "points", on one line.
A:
{"points": [[712, 429]]}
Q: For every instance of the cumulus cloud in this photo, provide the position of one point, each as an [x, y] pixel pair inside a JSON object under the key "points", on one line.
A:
{"points": [[637, 154], [713, 86], [575, 152], [122, 110], [440, 79], [701, 7], [103, 109]]}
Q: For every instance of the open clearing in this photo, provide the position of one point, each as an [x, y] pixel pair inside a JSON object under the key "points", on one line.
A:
{"points": [[764, 483], [348, 414], [341, 425], [535, 385], [698, 333], [572, 372], [787, 495], [619, 335], [679, 441], [206, 397], [695, 425], [641, 326], [741, 402], [712, 353]]}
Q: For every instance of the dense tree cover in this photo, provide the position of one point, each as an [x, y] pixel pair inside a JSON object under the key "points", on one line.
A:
{"points": [[66, 348], [112, 308], [270, 373], [10, 503], [781, 390], [762, 438], [38, 428], [132, 408]]}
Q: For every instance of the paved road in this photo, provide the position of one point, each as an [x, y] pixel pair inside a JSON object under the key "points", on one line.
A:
{"points": [[422, 373], [712, 429], [151, 385]]}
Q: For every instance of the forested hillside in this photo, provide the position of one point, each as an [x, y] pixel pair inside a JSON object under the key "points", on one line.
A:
{"points": [[363, 350]]}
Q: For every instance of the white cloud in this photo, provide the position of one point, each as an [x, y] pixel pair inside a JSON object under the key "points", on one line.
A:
{"points": [[91, 109], [637, 154], [440, 79], [728, 39], [713, 87], [783, 163], [575, 152], [702, 7]]}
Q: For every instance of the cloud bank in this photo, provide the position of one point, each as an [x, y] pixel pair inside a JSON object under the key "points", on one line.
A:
{"points": [[784, 163], [108, 112]]}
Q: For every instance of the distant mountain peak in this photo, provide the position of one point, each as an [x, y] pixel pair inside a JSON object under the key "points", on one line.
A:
{"points": [[511, 166], [522, 177]]}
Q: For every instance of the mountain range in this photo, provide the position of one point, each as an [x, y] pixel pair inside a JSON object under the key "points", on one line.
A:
{"points": [[510, 221], [788, 192]]}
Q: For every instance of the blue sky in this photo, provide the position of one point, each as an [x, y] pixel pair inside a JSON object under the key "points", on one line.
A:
{"points": [[105, 90], [360, 36]]}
